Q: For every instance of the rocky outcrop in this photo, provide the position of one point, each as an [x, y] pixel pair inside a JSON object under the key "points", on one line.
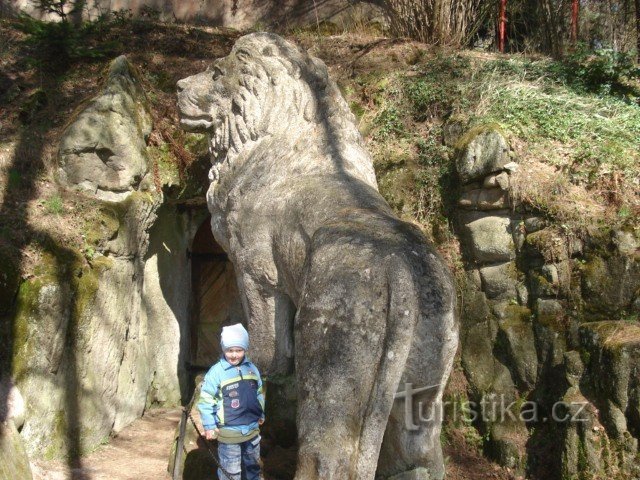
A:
{"points": [[98, 341], [103, 150], [100, 335], [532, 328]]}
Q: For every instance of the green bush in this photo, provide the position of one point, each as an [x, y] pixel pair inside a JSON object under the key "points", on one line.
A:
{"points": [[604, 72]]}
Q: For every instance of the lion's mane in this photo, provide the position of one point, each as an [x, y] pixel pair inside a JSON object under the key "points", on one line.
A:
{"points": [[272, 88]]}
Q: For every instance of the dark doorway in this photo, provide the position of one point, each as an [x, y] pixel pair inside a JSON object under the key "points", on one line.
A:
{"points": [[216, 301]]}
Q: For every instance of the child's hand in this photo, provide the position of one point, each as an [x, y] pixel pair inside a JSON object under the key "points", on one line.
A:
{"points": [[261, 421], [211, 434]]}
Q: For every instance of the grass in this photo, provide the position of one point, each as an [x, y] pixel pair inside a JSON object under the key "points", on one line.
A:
{"points": [[53, 205], [578, 147]]}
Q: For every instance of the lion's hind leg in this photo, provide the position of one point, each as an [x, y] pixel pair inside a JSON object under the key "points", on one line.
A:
{"points": [[412, 436], [348, 361]]}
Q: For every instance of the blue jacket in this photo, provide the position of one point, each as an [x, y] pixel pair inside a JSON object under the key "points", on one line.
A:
{"points": [[232, 397]]}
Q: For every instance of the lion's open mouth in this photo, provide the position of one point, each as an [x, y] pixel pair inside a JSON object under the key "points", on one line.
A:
{"points": [[200, 123]]}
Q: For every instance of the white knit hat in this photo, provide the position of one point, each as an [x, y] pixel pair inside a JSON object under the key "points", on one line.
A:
{"points": [[234, 336]]}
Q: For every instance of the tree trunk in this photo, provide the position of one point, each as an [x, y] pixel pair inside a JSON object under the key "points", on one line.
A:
{"points": [[638, 29], [502, 25], [575, 9]]}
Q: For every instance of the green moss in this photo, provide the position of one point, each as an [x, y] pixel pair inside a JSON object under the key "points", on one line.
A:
{"points": [[540, 286], [167, 166], [27, 307], [515, 316], [474, 132], [549, 244], [197, 144], [86, 287], [57, 436], [104, 226], [52, 270]]}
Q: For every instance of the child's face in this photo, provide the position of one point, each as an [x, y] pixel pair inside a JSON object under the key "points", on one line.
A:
{"points": [[234, 355]]}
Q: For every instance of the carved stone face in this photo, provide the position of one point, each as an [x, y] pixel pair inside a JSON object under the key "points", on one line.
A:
{"points": [[204, 99], [256, 89]]}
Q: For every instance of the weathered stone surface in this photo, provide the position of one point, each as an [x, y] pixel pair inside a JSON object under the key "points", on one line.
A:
{"points": [[12, 406], [103, 152], [294, 202], [506, 442], [482, 150], [610, 285], [479, 365], [534, 224], [14, 463], [499, 281], [543, 282], [517, 341], [488, 237], [574, 367], [614, 363], [549, 312], [523, 294], [626, 242], [547, 244], [453, 129], [581, 440], [587, 447], [415, 474], [107, 339], [500, 180], [484, 199]]}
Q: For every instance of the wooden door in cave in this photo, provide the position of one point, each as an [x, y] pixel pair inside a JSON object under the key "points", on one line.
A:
{"points": [[216, 302]]}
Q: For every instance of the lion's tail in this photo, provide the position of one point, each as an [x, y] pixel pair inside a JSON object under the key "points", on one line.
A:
{"points": [[402, 316]]}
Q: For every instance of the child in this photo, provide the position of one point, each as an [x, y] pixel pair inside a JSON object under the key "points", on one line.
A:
{"points": [[231, 406]]}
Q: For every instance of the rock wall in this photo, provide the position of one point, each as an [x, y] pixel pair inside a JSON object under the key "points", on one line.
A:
{"points": [[100, 335], [550, 337], [100, 342]]}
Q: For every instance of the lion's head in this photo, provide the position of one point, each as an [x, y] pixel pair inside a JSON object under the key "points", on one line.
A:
{"points": [[265, 87]]}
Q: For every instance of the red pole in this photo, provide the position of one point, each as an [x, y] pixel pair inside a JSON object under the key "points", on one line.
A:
{"points": [[638, 28], [502, 25], [575, 9]]}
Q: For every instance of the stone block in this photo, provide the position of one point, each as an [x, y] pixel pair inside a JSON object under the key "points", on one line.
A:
{"points": [[500, 180], [550, 313], [534, 224], [481, 151], [488, 237], [610, 284], [517, 344], [499, 281], [484, 199]]}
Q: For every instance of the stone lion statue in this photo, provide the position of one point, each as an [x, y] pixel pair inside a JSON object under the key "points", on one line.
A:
{"points": [[333, 284]]}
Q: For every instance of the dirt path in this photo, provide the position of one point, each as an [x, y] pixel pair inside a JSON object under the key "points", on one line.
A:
{"points": [[139, 452]]}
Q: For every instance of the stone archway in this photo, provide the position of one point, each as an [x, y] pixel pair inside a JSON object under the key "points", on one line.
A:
{"points": [[216, 302]]}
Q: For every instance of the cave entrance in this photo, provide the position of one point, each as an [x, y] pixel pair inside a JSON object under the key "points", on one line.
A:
{"points": [[216, 301]]}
